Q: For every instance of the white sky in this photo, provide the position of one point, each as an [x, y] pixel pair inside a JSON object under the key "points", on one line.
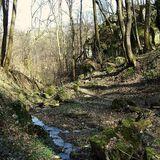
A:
{"points": [[23, 20]]}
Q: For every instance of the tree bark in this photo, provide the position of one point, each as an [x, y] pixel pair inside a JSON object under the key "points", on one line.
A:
{"points": [[157, 5], [126, 30], [11, 33], [5, 8], [121, 23], [97, 40], [136, 29], [80, 27], [70, 6], [130, 55], [147, 27]]}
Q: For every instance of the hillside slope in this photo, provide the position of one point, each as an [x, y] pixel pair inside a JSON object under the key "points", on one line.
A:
{"points": [[19, 139]]}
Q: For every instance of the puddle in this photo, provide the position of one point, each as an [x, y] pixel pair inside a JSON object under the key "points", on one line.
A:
{"points": [[54, 132]]}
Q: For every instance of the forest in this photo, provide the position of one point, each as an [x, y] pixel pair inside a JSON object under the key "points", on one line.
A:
{"points": [[80, 80]]}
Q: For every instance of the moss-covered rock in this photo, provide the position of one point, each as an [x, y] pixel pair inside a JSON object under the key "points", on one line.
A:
{"points": [[36, 98], [124, 142], [119, 60], [156, 36], [98, 143]]}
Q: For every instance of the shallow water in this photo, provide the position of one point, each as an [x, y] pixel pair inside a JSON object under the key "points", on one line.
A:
{"points": [[54, 132]]}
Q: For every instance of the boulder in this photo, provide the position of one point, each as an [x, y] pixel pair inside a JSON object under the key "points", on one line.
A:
{"points": [[125, 142]]}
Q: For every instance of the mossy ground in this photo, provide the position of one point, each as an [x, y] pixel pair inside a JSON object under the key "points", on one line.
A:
{"points": [[16, 141]]}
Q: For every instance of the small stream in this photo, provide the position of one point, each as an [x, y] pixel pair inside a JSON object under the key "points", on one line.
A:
{"points": [[57, 140]]}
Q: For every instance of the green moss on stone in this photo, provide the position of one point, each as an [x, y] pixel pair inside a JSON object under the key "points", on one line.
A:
{"points": [[122, 142]]}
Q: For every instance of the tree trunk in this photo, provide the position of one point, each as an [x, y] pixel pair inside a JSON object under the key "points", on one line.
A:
{"points": [[147, 26], [157, 5], [70, 6], [136, 29], [130, 56], [97, 40], [80, 28], [5, 8], [10, 41], [59, 40], [121, 23]]}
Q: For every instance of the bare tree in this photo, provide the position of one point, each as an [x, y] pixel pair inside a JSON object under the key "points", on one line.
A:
{"points": [[70, 7], [5, 8], [129, 53], [97, 39], [126, 30], [104, 15], [136, 28], [80, 28], [11, 33], [121, 22], [147, 26]]}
